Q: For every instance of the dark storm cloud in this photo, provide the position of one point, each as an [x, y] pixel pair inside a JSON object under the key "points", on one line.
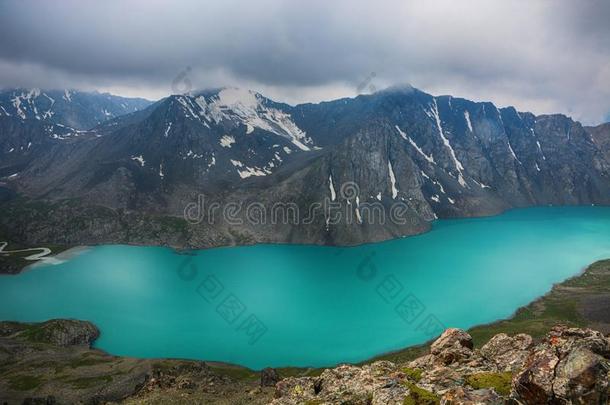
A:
{"points": [[539, 55]]}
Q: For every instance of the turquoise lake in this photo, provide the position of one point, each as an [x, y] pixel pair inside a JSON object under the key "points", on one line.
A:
{"points": [[278, 305]]}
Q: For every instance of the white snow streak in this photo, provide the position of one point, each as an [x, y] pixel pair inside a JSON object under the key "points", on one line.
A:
{"points": [[458, 164], [417, 148], [392, 180], [512, 152], [467, 117], [333, 194]]}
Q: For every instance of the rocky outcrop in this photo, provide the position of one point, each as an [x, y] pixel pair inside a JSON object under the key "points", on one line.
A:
{"points": [[62, 332], [568, 366], [453, 345], [507, 352], [52, 363], [269, 377], [377, 384]]}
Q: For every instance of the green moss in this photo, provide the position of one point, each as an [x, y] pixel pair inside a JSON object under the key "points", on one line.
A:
{"points": [[88, 361], [34, 333], [235, 372], [24, 382], [299, 372], [164, 365], [500, 382], [413, 374], [88, 382], [420, 396]]}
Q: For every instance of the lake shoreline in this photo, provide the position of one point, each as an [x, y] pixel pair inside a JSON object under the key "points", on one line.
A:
{"points": [[15, 269], [480, 333], [80, 371]]}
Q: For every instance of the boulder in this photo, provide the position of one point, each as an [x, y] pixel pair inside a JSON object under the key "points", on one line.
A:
{"points": [[269, 377], [581, 377], [534, 383], [507, 353], [452, 346], [565, 339], [569, 366], [294, 390]]}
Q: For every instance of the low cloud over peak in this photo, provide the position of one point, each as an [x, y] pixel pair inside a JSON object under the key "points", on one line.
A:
{"points": [[538, 55]]}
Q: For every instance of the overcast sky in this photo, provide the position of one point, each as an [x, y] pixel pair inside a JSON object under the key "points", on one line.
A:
{"points": [[541, 56]]}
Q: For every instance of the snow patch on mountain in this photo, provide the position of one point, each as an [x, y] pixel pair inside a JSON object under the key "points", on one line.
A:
{"points": [[248, 108], [139, 159], [226, 141]]}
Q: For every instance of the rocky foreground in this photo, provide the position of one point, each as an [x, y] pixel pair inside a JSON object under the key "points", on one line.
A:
{"points": [[569, 366], [52, 363]]}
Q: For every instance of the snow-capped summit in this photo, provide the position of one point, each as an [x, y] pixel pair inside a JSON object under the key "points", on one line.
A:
{"points": [[234, 106]]}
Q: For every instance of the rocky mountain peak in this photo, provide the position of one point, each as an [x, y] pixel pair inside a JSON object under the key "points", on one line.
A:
{"points": [[73, 108]]}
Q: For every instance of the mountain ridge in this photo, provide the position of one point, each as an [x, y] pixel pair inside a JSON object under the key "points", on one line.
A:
{"points": [[441, 157]]}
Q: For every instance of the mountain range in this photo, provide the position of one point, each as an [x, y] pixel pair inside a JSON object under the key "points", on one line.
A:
{"points": [[89, 168]]}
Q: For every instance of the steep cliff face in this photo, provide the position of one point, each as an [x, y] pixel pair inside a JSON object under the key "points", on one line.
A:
{"points": [[354, 170], [601, 137]]}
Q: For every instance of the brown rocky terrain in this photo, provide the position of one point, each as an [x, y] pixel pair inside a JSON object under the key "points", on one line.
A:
{"points": [[53, 363], [569, 366]]}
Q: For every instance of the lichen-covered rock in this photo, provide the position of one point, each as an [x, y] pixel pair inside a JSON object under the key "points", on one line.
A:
{"points": [[508, 353], [377, 384], [465, 396], [534, 383], [569, 366], [581, 377], [441, 379], [453, 345], [293, 390], [565, 339]]}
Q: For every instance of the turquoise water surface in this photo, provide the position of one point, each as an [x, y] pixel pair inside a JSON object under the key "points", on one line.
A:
{"points": [[277, 305]]}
